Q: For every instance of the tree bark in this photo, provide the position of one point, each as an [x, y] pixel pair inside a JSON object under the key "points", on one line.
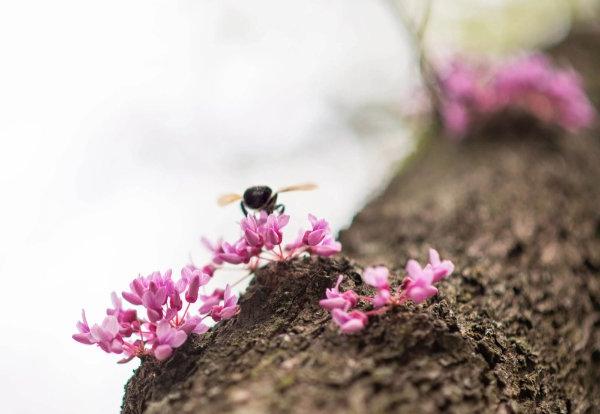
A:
{"points": [[514, 329]]}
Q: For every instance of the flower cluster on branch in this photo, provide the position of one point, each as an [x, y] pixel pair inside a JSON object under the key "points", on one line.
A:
{"points": [[163, 320], [164, 317], [417, 287], [531, 84], [262, 241]]}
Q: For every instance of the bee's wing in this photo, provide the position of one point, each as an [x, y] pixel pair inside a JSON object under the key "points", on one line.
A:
{"points": [[298, 187], [228, 199]]}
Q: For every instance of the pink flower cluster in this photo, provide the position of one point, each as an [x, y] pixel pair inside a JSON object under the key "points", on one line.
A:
{"points": [[417, 287], [262, 240], [530, 84], [165, 320]]}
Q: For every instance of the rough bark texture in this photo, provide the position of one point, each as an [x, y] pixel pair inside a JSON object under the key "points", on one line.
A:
{"points": [[515, 329]]}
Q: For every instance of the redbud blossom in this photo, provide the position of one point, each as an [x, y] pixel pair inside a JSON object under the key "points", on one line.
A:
{"points": [[376, 277], [318, 240], [417, 287], [441, 269], [106, 335], [272, 234], [208, 301], [169, 320], [262, 239], [349, 322], [229, 308], [337, 300], [252, 228], [84, 336], [167, 338], [529, 84]]}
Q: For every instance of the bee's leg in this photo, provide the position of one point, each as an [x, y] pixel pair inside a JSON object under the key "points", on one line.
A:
{"points": [[280, 208], [244, 209]]}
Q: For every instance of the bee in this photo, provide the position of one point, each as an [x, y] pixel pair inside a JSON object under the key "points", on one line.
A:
{"points": [[262, 198]]}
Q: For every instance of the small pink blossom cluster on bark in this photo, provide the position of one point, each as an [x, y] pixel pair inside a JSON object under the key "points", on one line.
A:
{"points": [[165, 318], [417, 287], [261, 241], [471, 94]]}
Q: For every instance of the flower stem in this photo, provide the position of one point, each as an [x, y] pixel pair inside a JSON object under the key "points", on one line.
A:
{"points": [[185, 312]]}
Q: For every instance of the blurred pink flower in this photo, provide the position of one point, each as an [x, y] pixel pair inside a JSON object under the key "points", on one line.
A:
{"points": [[552, 95], [441, 269], [349, 322], [106, 335], [318, 240], [167, 338], [84, 336], [252, 228], [208, 301], [338, 300], [381, 298], [229, 308], [124, 331], [530, 84], [327, 247], [272, 230], [376, 277], [418, 285]]}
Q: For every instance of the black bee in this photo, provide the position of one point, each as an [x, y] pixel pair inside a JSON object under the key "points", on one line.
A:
{"points": [[262, 198]]}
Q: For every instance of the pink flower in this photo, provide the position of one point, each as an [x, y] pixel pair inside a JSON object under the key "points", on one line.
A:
{"points": [[552, 95], [233, 254], [376, 277], [320, 229], [349, 322], [209, 269], [456, 118], [441, 269], [327, 247], [132, 350], [417, 287], [195, 279], [264, 230], [240, 252], [106, 335], [318, 240], [530, 84], [191, 295], [84, 336], [272, 230], [253, 229], [337, 300], [381, 298], [465, 95], [418, 284], [208, 301], [229, 308], [127, 318], [153, 300], [140, 285], [297, 243], [167, 338], [216, 249], [194, 324]]}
